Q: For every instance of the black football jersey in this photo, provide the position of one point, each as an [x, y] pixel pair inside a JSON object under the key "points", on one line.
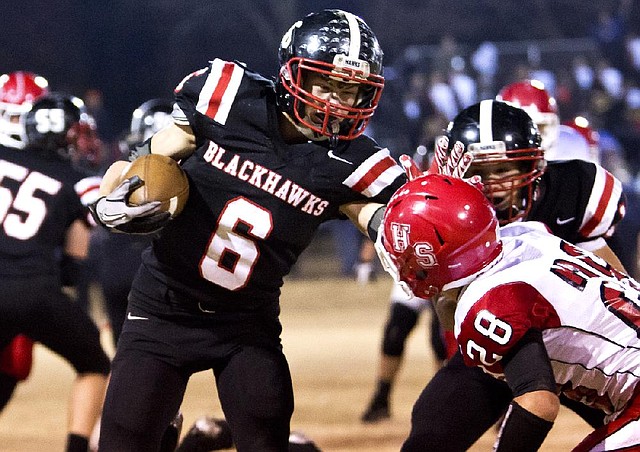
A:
{"points": [[255, 202], [579, 201], [40, 197]]}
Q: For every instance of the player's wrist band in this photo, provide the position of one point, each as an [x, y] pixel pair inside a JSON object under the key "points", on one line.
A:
{"points": [[94, 213], [374, 223]]}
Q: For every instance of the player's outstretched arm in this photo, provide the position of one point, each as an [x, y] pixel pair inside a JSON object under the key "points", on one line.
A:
{"points": [[362, 214]]}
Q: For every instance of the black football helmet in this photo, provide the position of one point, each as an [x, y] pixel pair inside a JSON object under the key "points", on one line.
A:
{"points": [[150, 117], [336, 44], [507, 154], [58, 123]]}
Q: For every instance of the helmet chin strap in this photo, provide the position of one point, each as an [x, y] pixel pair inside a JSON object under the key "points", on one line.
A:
{"points": [[333, 141]]}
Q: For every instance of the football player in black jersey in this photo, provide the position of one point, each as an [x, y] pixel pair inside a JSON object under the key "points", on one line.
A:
{"points": [[579, 201], [267, 164], [43, 212], [18, 91]]}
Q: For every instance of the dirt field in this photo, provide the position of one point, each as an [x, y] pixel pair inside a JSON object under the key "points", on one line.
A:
{"points": [[331, 334]]}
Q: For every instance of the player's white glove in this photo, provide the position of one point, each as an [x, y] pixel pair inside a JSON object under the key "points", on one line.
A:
{"points": [[454, 164], [114, 211]]}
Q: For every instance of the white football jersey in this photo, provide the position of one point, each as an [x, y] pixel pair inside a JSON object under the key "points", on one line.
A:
{"points": [[589, 315]]}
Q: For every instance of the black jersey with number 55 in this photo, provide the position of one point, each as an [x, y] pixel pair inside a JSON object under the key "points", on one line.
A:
{"points": [[255, 202], [40, 196]]}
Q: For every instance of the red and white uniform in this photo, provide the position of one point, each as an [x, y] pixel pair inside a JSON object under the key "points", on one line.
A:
{"points": [[589, 315]]}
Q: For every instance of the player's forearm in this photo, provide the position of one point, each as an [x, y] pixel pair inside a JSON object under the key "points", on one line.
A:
{"points": [[175, 141], [361, 215], [112, 177]]}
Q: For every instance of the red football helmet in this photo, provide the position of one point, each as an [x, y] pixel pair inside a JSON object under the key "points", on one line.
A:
{"points": [[439, 232], [582, 126], [18, 91], [532, 97]]}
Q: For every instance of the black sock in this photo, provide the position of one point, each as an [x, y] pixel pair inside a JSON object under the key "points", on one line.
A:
{"points": [[383, 390], [77, 443]]}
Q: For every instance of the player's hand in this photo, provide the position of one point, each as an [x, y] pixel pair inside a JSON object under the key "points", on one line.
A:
{"points": [[410, 167], [454, 164], [114, 211]]}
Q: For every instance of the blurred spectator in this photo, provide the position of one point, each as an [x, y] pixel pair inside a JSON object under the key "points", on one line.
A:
{"points": [[442, 95], [464, 86], [632, 47], [485, 61], [609, 30], [537, 72], [610, 77], [94, 103], [415, 105], [447, 51]]}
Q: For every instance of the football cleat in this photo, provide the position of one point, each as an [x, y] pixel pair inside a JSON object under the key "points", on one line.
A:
{"points": [[376, 412], [172, 434], [299, 442], [207, 434]]}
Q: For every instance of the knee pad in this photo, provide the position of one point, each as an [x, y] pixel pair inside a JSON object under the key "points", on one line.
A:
{"points": [[398, 327]]}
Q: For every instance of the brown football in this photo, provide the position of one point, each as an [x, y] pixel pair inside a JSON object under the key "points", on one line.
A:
{"points": [[164, 181]]}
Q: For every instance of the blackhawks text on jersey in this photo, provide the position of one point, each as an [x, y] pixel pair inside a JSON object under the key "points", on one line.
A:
{"points": [[255, 202]]}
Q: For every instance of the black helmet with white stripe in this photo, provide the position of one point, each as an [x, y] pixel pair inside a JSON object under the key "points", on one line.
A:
{"points": [[340, 46], [149, 118], [51, 125], [505, 144]]}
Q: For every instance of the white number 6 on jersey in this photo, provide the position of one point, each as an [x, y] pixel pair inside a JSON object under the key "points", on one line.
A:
{"points": [[231, 255]]}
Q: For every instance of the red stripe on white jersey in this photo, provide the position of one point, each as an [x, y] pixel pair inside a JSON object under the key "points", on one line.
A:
{"points": [[219, 90], [603, 204], [374, 174]]}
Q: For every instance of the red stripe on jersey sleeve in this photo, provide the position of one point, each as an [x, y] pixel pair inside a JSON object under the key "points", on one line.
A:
{"points": [[371, 175], [221, 87], [89, 189], [602, 206]]}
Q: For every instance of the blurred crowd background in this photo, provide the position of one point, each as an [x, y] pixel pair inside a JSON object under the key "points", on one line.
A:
{"points": [[440, 56]]}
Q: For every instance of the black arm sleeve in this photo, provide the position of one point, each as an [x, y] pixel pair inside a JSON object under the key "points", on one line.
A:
{"points": [[522, 431], [527, 367]]}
